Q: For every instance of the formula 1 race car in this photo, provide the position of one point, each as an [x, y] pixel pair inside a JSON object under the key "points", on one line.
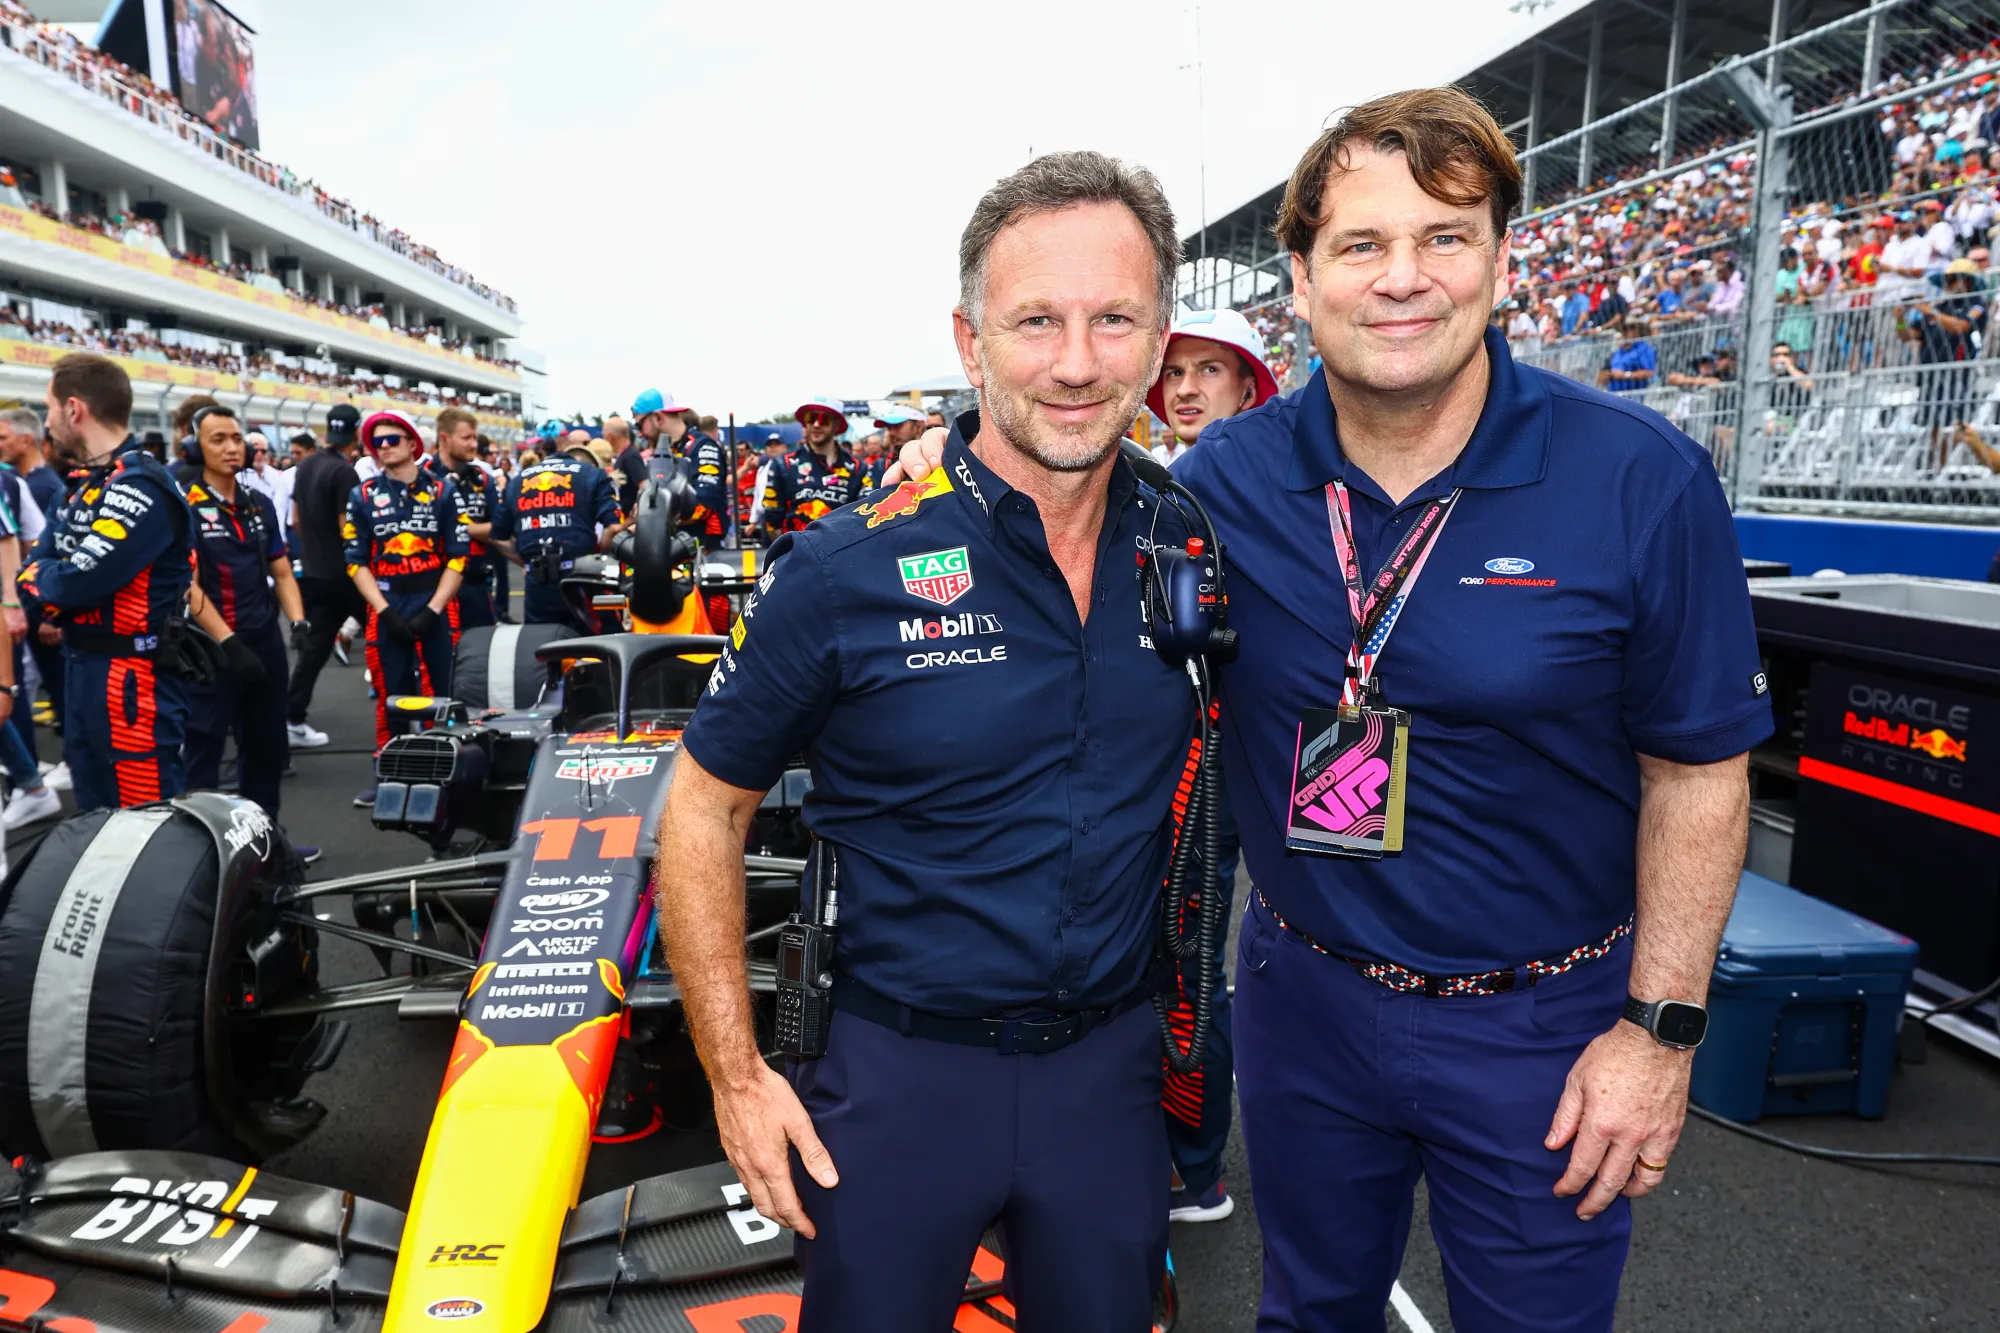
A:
{"points": [[161, 1012]]}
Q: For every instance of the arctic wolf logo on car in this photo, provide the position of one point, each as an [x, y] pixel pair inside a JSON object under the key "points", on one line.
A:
{"points": [[905, 499], [597, 769], [937, 576]]}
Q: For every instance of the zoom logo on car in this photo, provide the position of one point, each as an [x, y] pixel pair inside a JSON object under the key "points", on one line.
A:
{"points": [[556, 925], [569, 900]]}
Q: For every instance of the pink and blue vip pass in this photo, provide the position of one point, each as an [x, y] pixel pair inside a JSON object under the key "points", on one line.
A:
{"points": [[1349, 768]]}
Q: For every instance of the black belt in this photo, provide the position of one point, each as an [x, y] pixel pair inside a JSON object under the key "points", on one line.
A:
{"points": [[1011, 1036], [402, 585], [1499, 981], [90, 639]]}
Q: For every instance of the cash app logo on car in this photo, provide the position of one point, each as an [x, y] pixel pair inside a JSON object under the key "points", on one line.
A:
{"points": [[937, 576]]}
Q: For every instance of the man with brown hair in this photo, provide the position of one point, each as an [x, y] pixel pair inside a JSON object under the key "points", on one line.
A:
{"points": [[1488, 975], [472, 501], [111, 566], [1477, 1006]]}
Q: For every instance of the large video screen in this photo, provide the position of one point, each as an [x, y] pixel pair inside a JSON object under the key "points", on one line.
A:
{"points": [[213, 73]]}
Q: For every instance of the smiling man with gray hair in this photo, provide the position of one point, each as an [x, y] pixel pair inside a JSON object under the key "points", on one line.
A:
{"points": [[994, 748]]}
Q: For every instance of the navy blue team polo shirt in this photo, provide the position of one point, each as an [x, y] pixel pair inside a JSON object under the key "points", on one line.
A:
{"points": [[997, 776], [1585, 601]]}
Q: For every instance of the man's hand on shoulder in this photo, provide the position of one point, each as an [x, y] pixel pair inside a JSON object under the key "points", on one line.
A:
{"points": [[918, 457], [1623, 1105], [759, 1121]]}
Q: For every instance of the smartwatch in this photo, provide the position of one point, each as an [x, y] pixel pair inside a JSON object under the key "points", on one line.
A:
{"points": [[1674, 1023]]}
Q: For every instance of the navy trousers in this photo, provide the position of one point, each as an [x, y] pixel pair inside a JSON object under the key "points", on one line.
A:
{"points": [[1351, 1091], [544, 604], [935, 1142], [254, 714], [123, 740], [473, 606], [398, 667]]}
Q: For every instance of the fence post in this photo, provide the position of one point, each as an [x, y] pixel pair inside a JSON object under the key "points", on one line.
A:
{"points": [[1771, 110]]}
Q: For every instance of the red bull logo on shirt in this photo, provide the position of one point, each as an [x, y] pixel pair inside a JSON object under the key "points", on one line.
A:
{"points": [[937, 576], [905, 499]]}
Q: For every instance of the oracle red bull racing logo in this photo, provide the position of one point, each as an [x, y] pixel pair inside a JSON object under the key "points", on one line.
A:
{"points": [[937, 576]]}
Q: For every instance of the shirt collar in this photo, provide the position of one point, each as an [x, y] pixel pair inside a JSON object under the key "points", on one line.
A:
{"points": [[983, 490], [1509, 445]]}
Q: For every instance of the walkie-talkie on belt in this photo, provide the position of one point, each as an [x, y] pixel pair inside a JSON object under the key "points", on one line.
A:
{"points": [[805, 964]]}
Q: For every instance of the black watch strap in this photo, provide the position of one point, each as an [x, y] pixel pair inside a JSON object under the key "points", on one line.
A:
{"points": [[1638, 1011]]}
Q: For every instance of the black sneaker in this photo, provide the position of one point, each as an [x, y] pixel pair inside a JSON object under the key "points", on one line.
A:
{"points": [[306, 853], [364, 798]]}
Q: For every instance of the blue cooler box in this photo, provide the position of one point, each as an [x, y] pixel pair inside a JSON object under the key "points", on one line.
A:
{"points": [[1803, 1009]]}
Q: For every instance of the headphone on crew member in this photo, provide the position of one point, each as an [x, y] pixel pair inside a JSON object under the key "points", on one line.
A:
{"points": [[191, 442]]}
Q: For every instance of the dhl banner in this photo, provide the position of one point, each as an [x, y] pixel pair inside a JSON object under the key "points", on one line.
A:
{"points": [[35, 227], [16, 353]]}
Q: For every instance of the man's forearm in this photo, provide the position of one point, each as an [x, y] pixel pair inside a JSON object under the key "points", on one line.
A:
{"points": [[699, 880], [1694, 820]]}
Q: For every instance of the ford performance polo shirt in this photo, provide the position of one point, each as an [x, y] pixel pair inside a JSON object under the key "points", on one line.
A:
{"points": [[1585, 603]]}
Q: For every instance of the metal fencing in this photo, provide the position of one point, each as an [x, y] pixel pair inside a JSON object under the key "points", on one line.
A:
{"points": [[1858, 375]]}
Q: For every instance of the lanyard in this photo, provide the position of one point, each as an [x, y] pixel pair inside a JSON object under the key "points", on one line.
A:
{"points": [[1374, 609]]}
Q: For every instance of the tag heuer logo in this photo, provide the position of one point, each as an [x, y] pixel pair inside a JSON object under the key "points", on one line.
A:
{"points": [[937, 576]]}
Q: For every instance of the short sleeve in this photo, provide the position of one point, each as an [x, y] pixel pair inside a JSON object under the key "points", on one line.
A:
{"points": [[274, 531], [1695, 691], [775, 682]]}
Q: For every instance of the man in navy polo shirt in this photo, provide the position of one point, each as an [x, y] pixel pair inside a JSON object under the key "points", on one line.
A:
{"points": [[1575, 652], [994, 747]]}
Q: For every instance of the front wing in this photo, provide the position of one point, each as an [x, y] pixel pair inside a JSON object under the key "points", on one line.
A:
{"points": [[159, 1242]]}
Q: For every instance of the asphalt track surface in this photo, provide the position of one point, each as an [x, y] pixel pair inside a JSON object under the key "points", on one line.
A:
{"points": [[1743, 1236]]}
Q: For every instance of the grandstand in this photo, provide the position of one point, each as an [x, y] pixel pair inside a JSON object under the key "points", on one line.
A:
{"points": [[130, 227], [1703, 190]]}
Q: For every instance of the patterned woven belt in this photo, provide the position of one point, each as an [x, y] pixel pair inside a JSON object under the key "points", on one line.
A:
{"points": [[1497, 982]]}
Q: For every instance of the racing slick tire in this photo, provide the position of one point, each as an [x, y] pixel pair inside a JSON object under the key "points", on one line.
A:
{"points": [[113, 1005], [494, 666]]}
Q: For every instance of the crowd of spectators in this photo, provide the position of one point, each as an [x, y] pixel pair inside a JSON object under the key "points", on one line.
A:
{"points": [[118, 83], [223, 358], [144, 234]]}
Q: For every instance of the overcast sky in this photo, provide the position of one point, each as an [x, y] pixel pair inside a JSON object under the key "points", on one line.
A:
{"points": [[748, 204]]}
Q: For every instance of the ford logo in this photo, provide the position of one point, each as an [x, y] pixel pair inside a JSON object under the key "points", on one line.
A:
{"points": [[1509, 564]]}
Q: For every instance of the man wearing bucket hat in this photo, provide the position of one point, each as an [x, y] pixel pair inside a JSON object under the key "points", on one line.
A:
{"points": [[1214, 369], [817, 477], [406, 553]]}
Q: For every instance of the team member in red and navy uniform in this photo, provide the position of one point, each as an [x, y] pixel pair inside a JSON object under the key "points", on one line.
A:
{"points": [[994, 746], [554, 512], [113, 564], [474, 499], [818, 476], [240, 555], [406, 555]]}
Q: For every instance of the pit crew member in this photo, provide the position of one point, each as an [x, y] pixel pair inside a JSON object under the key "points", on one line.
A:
{"points": [[992, 1053], [474, 500], [246, 586], [112, 566], [818, 476], [406, 554], [555, 511]]}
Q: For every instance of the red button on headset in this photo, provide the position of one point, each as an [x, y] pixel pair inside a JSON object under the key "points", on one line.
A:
{"points": [[1196, 546]]}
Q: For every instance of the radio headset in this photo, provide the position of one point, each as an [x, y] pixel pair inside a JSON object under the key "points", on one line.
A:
{"points": [[1186, 613], [191, 442]]}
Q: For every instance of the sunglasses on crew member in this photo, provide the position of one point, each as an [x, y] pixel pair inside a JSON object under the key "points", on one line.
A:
{"points": [[391, 439], [815, 417]]}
